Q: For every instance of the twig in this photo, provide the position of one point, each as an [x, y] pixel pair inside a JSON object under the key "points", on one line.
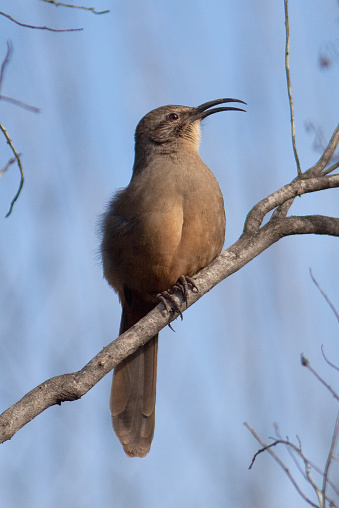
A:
{"points": [[9, 163], [325, 296], [331, 168], [290, 451], [21, 104], [40, 27], [276, 458], [92, 9], [2, 75], [327, 360], [313, 466], [305, 363], [289, 87], [267, 447], [326, 157], [17, 158], [330, 456], [5, 62]]}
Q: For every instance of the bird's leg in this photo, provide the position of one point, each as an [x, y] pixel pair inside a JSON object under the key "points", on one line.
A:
{"points": [[167, 297]]}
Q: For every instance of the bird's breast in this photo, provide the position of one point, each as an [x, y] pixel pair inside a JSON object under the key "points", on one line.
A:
{"points": [[177, 225]]}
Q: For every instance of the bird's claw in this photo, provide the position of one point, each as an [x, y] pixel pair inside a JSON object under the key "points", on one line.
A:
{"points": [[182, 285], [167, 297]]}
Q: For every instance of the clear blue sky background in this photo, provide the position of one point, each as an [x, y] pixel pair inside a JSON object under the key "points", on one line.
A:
{"points": [[236, 355]]}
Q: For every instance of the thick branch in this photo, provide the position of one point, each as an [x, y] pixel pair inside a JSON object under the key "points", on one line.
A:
{"points": [[73, 386], [314, 179], [253, 241], [290, 191]]}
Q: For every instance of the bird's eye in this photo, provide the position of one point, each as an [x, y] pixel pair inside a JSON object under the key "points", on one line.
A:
{"points": [[173, 116]]}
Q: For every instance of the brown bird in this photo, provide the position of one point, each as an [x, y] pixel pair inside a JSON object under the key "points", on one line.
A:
{"points": [[168, 224]]}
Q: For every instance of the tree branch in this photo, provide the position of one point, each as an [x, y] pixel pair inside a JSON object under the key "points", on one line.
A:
{"points": [[289, 86], [332, 307], [2, 128], [268, 448], [330, 456], [252, 242], [17, 158], [305, 363], [320, 492], [8, 165], [326, 157], [92, 9], [39, 27], [4, 64]]}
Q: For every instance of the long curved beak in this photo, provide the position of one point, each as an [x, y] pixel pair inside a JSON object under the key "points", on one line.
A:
{"points": [[204, 110]]}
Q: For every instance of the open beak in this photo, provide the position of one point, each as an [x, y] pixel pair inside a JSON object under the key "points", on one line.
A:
{"points": [[204, 110]]}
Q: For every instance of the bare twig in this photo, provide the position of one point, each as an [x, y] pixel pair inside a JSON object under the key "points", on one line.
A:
{"points": [[325, 296], [289, 86], [305, 363], [330, 456], [293, 457], [39, 27], [2, 75], [278, 460], [5, 62], [327, 155], [17, 158], [290, 450], [9, 163], [293, 449], [331, 168], [267, 447], [2, 128], [21, 104], [327, 360], [92, 9]]}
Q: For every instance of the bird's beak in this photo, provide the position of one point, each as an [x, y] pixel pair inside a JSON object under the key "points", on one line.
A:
{"points": [[204, 110]]}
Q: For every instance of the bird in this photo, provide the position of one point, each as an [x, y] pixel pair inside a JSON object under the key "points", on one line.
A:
{"points": [[156, 233]]}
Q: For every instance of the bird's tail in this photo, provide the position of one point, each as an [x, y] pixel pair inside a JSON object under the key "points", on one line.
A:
{"points": [[133, 391]]}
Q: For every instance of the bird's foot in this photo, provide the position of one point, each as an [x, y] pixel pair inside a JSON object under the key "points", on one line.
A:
{"points": [[169, 302], [182, 285], [167, 297]]}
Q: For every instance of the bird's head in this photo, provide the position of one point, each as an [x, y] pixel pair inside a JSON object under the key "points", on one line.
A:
{"points": [[168, 125]]}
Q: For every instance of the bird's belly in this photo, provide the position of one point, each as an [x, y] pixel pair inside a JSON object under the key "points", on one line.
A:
{"points": [[170, 245]]}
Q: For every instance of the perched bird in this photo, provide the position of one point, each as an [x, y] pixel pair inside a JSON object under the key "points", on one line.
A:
{"points": [[164, 227]]}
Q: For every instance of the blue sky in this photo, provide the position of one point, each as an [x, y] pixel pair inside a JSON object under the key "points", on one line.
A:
{"points": [[236, 355]]}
